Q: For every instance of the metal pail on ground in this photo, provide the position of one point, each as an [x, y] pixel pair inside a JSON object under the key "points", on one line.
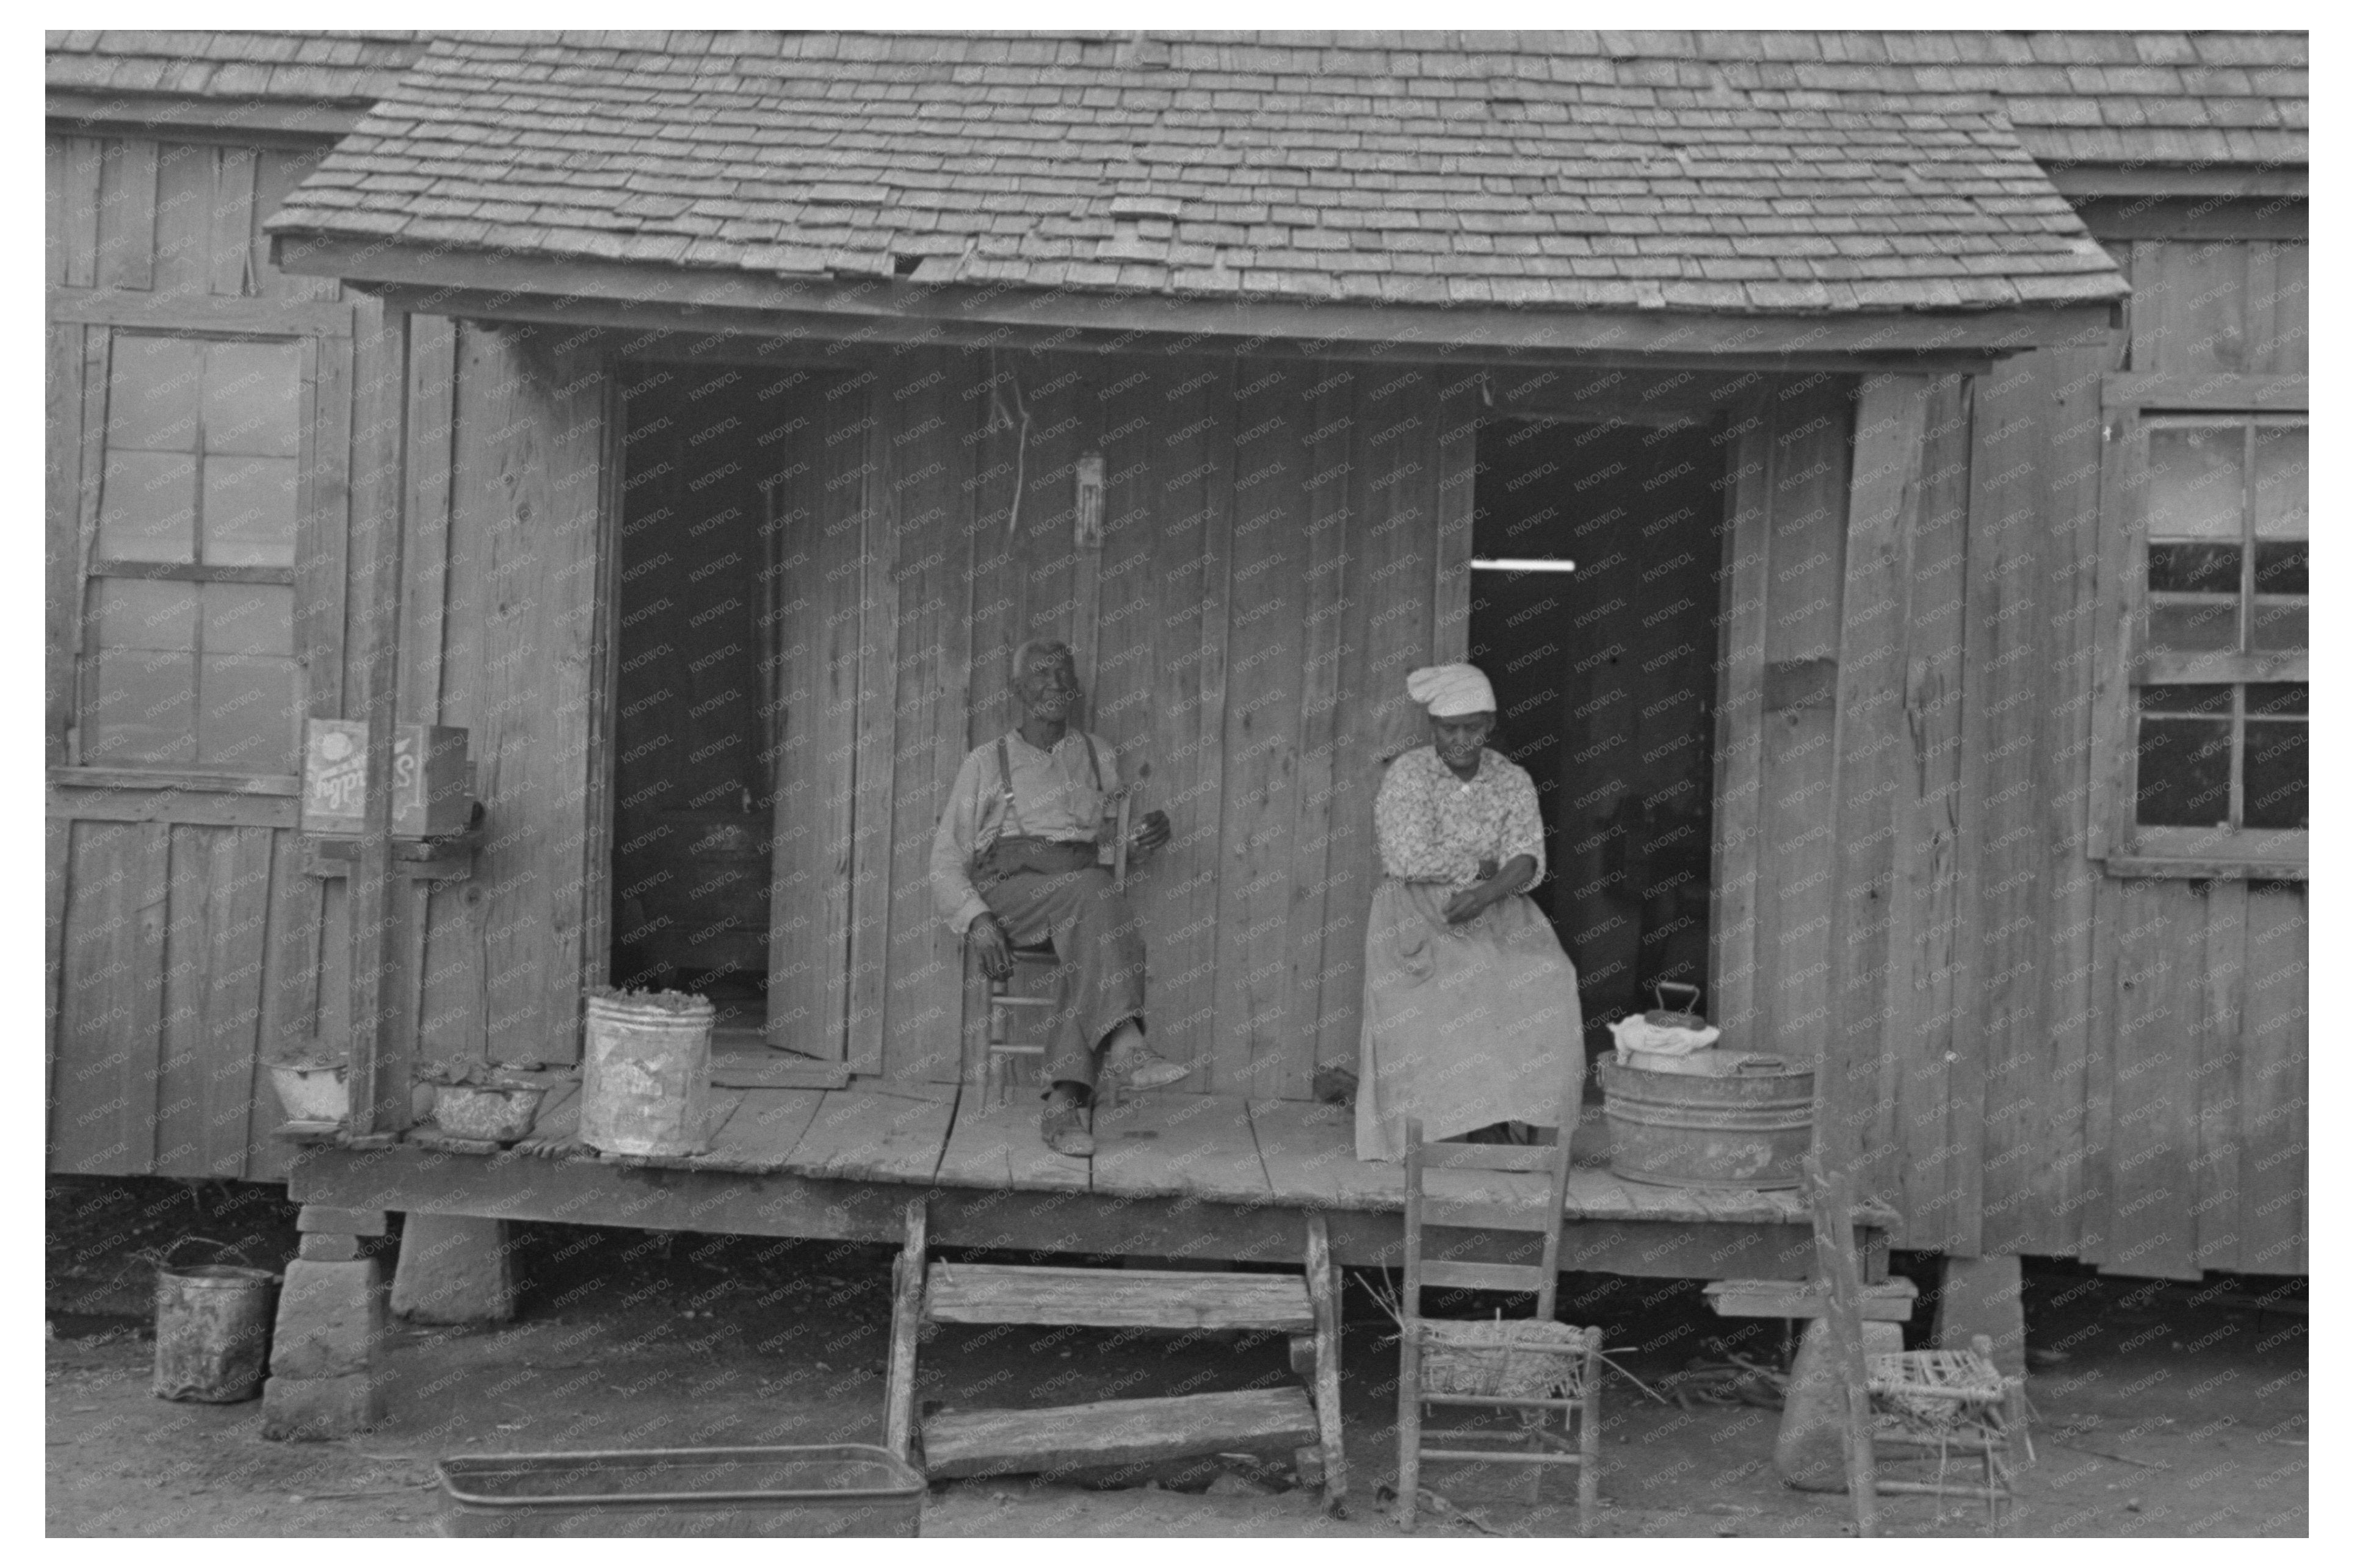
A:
{"points": [[1746, 1127], [212, 1331], [646, 1073]]}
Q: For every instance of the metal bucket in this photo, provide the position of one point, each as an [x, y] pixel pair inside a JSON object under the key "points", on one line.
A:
{"points": [[212, 1331], [646, 1075], [1744, 1130]]}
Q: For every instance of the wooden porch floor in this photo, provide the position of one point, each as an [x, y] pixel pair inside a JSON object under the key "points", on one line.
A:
{"points": [[1287, 1154]]}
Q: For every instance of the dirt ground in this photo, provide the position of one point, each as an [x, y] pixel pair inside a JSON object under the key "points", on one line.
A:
{"points": [[2161, 1409]]}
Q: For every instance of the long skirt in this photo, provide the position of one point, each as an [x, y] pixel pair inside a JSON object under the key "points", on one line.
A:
{"points": [[1463, 1026]]}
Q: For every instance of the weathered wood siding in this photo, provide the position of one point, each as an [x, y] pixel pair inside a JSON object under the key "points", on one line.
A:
{"points": [[504, 635], [2067, 1063], [1271, 567], [184, 936]]}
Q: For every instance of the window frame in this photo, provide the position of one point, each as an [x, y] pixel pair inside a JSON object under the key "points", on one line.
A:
{"points": [[317, 337], [2131, 404]]}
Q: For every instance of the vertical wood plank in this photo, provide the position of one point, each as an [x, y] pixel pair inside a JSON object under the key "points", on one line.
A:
{"points": [[2049, 1219], [1868, 736], [2153, 1125], [62, 451], [380, 1055], [2007, 866], [873, 769], [1738, 808], [810, 907], [192, 872], [962, 404], [323, 546], [455, 984], [235, 957], [97, 363], [1796, 865], [433, 408], [126, 214], [230, 267], [2273, 1196], [1938, 1185], [2219, 1029], [102, 1121], [53, 230], [188, 176], [528, 496], [1258, 741], [1137, 399], [57, 895], [2287, 340], [440, 909], [1456, 440], [1178, 899], [83, 157], [1206, 701], [1322, 1036], [288, 996]]}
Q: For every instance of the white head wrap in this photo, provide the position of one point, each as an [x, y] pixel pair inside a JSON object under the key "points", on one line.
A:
{"points": [[1450, 690]]}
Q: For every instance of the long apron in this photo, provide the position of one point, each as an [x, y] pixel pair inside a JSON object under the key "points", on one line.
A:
{"points": [[1463, 1026]]}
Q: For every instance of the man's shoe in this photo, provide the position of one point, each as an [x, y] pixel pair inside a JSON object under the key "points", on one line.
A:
{"points": [[1139, 1068], [1065, 1131]]}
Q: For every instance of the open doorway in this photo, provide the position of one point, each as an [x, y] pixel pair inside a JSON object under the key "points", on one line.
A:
{"points": [[1606, 684], [694, 782]]}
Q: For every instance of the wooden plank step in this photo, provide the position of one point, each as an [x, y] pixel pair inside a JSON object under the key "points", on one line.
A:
{"points": [[1117, 1299], [1115, 1432]]}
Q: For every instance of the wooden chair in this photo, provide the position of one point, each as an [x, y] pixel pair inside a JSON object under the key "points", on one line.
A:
{"points": [[996, 1081], [1909, 1404], [1533, 1366]]}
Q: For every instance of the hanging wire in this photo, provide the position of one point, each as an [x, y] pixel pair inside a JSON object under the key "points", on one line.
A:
{"points": [[998, 418]]}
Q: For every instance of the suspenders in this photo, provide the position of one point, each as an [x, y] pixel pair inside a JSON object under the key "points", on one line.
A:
{"points": [[1012, 826]]}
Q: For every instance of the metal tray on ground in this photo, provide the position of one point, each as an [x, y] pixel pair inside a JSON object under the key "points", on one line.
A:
{"points": [[839, 1489]]}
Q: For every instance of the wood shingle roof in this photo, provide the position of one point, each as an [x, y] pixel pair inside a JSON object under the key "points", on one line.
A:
{"points": [[1577, 171], [354, 68]]}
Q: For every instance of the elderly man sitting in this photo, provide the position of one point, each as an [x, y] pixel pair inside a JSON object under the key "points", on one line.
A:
{"points": [[1014, 863]]}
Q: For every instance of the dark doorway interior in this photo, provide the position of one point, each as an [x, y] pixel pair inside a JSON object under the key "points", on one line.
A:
{"points": [[1606, 684], [693, 785]]}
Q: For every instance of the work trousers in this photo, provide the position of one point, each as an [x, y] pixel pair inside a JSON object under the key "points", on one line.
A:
{"points": [[1044, 892]]}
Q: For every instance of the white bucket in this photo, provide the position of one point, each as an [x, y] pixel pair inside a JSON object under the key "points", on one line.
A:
{"points": [[648, 1074]]}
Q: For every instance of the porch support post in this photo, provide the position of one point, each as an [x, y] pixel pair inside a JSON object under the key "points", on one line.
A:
{"points": [[1879, 1113], [379, 1056]]}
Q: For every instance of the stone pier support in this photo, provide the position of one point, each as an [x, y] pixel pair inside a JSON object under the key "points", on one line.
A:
{"points": [[326, 1350], [454, 1268]]}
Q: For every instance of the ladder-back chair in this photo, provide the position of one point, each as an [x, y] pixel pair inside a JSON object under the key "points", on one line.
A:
{"points": [[1531, 1366]]}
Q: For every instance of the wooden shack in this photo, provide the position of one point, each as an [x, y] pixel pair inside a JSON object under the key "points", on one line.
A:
{"points": [[696, 420]]}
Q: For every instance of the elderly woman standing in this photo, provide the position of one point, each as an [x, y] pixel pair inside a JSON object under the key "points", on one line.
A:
{"points": [[1472, 1014]]}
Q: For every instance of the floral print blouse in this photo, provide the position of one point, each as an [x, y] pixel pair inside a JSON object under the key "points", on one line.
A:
{"points": [[1435, 827]]}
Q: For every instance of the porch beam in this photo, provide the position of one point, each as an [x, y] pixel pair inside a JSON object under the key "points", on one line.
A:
{"points": [[593, 1192], [587, 293]]}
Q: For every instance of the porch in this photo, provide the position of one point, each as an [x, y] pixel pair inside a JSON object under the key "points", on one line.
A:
{"points": [[1211, 1177]]}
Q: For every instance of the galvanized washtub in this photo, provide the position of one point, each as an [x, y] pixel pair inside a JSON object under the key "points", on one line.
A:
{"points": [[1742, 1122]]}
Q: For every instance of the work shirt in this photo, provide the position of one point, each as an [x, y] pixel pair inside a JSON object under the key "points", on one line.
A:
{"points": [[1055, 797], [1435, 827]]}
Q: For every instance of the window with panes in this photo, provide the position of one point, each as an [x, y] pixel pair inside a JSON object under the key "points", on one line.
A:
{"points": [[2215, 756], [187, 652]]}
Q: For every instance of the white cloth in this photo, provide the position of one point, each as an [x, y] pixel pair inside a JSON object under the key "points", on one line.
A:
{"points": [[1450, 690]]}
